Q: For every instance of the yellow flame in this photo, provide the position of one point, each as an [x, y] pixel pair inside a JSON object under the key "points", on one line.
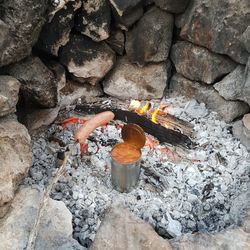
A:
{"points": [[144, 109], [154, 115]]}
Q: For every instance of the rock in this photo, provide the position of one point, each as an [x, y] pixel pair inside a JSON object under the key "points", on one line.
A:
{"points": [[125, 21], [199, 64], [54, 230], [228, 110], [116, 41], [246, 121], [59, 73], [173, 6], [24, 20], [9, 89], [228, 239], [123, 7], [230, 87], [121, 230], [93, 20], [245, 92], [40, 117], [238, 132], [55, 6], [4, 34], [128, 81], [86, 59], [245, 38], [55, 33], [218, 25], [38, 83], [154, 40], [75, 90], [16, 158]]}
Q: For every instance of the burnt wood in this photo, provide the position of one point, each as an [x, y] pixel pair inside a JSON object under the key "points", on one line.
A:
{"points": [[161, 133]]}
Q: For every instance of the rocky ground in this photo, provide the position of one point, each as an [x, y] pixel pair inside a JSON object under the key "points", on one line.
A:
{"points": [[179, 191]]}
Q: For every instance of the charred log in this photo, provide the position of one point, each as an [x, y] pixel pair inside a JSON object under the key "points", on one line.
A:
{"points": [[161, 133]]}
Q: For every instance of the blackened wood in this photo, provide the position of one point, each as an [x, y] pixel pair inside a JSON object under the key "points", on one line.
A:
{"points": [[161, 133]]}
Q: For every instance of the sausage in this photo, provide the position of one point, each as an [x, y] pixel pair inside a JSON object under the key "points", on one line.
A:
{"points": [[89, 126]]}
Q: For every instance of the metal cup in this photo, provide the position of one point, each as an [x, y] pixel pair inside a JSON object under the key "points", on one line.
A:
{"points": [[124, 177]]}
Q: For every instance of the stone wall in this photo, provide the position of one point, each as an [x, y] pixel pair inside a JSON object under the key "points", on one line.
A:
{"points": [[52, 52]]}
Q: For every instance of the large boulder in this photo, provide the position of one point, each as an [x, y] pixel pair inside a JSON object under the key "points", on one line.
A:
{"points": [[54, 230], [16, 158], [128, 80], [9, 89], [88, 60], [231, 86], [93, 20], [55, 33], [217, 25], [173, 6], [199, 64], [21, 22], [151, 38], [228, 110], [38, 83], [122, 230]]}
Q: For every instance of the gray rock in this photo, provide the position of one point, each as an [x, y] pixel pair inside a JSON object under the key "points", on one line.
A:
{"points": [[151, 38], [199, 64], [116, 41], [125, 21], [55, 33], [231, 86], [123, 7], [228, 239], [173, 6], [93, 20], [245, 93], [75, 90], [24, 20], [217, 25], [4, 34], [16, 158], [54, 230], [242, 133], [40, 117], [121, 230], [228, 110], [59, 72], [9, 89], [128, 81], [38, 83], [86, 59], [245, 38]]}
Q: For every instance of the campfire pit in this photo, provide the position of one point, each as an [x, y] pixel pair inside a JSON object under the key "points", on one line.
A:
{"points": [[179, 191]]}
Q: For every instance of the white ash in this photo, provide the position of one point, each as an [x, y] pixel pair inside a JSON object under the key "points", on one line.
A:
{"points": [[204, 191]]}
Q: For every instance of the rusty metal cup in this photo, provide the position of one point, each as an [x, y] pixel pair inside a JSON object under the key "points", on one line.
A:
{"points": [[125, 165]]}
